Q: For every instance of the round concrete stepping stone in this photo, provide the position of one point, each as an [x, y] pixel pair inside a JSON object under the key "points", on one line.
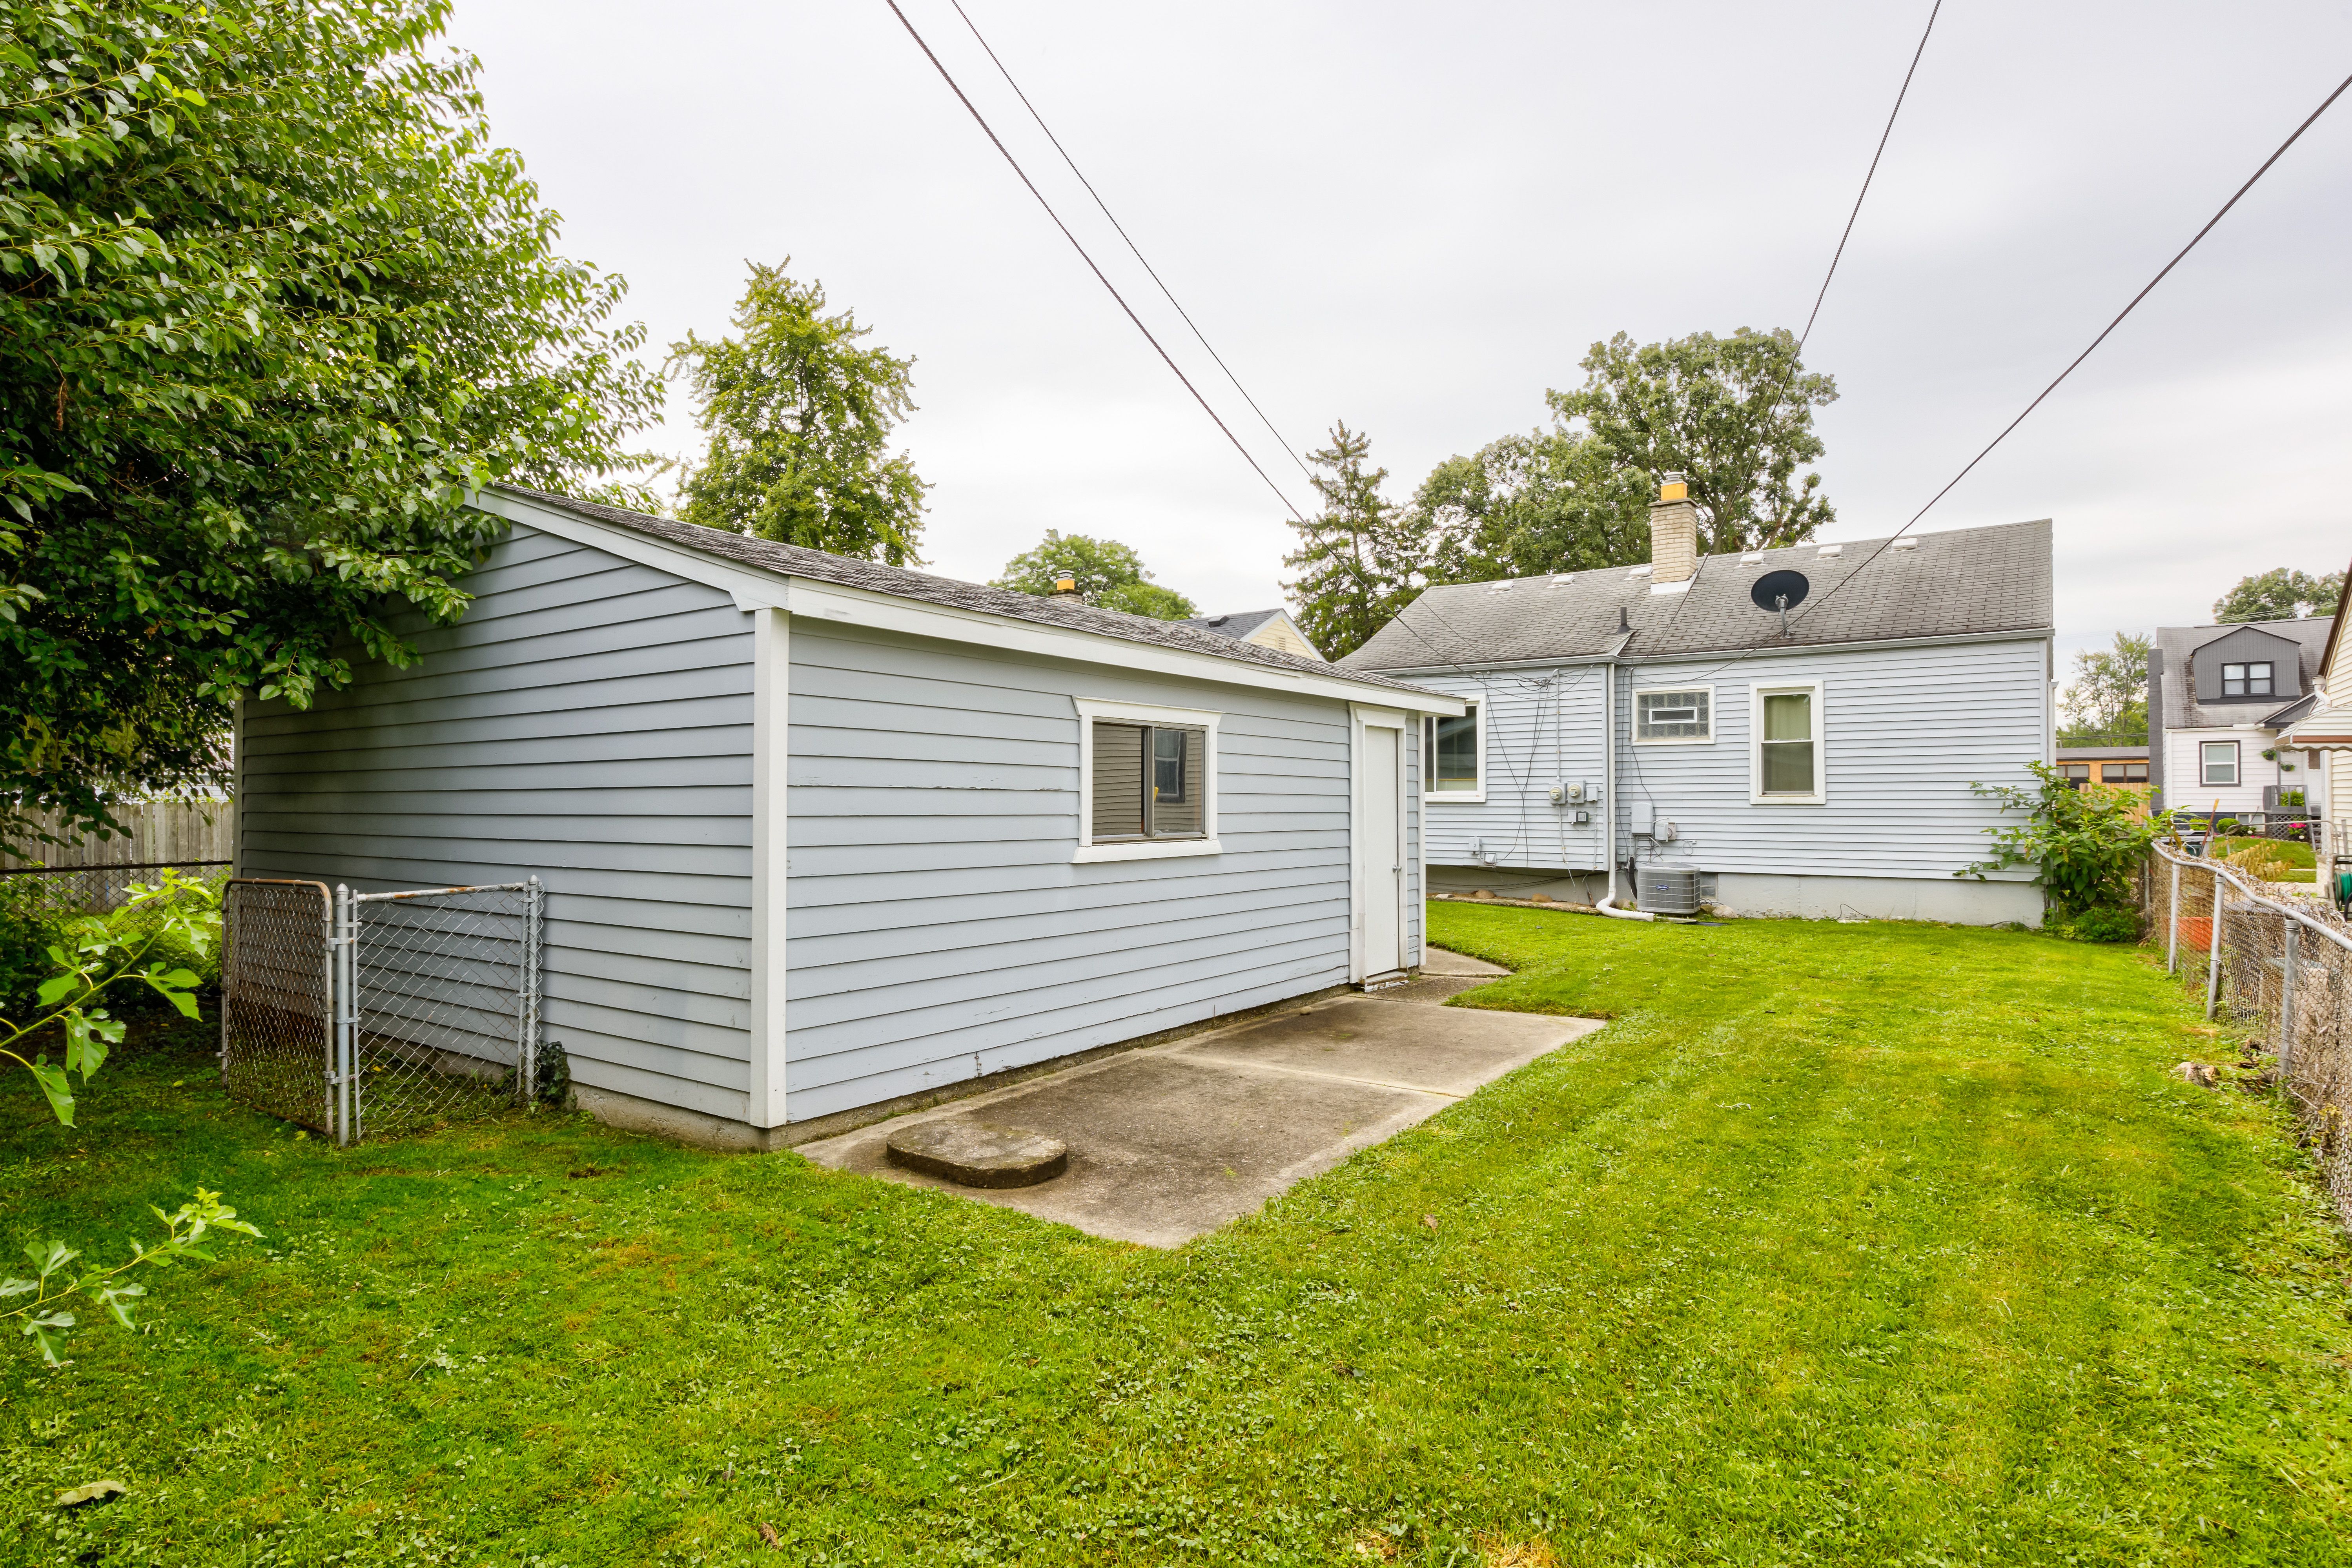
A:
{"points": [[975, 1156]]}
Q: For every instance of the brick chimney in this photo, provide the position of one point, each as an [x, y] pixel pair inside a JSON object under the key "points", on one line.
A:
{"points": [[1065, 588], [1674, 534]]}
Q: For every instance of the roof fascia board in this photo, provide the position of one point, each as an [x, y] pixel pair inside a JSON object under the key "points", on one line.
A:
{"points": [[756, 589], [752, 590], [883, 612], [2026, 633]]}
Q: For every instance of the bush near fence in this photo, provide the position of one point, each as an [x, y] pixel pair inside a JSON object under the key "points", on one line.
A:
{"points": [[2265, 954]]}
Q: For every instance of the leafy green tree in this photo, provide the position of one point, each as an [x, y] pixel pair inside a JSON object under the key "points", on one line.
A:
{"points": [[272, 303], [2282, 593], [1107, 573], [2107, 705], [799, 416], [1548, 500], [1734, 415], [2085, 844], [1361, 558]]}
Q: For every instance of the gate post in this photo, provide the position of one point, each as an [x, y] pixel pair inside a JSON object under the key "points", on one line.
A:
{"points": [[343, 1093], [2213, 967], [2286, 999], [2172, 919], [527, 1048]]}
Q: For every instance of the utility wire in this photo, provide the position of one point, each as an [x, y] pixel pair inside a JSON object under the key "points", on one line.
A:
{"points": [[1132, 247], [983, 122], [1872, 175], [2310, 120]]}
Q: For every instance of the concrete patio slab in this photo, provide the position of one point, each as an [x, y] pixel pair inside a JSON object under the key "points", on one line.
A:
{"points": [[1440, 960], [1170, 1143]]}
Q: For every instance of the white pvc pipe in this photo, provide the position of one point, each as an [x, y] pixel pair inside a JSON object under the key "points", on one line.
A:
{"points": [[1608, 905]]}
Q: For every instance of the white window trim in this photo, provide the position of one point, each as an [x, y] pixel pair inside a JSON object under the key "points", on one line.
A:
{"points": [[1429, 763], [1755, 695], [2237, 767], [1089, 852], [1705, 740]]}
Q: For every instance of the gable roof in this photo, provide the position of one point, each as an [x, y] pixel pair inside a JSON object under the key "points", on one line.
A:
{"points": [[1963, 582], [2180, 645], [1062, 614]]}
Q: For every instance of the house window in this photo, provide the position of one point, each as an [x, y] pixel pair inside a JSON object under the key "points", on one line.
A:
{"points": [[2123, 772], [1685, 715], [2076, 774], [1456, 753], [1785, 767], [2246, 680], [2221, 761], [1149, 782]]}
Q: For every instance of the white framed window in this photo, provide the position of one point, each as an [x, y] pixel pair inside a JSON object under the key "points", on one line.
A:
{"points": [[1673, 716], [2247, 680], [2217, 761], [1147, 782], [1454, 751], [1784, 747]]}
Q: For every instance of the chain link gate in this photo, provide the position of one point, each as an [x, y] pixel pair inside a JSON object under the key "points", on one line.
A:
{"points": [[425, 1006]]}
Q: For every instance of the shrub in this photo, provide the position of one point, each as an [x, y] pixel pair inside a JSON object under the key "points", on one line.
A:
{"points": [[2085, 844], [2106, 924]]}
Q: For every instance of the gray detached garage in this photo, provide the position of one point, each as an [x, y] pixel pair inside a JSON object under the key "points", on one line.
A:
{"points": [[820, 837]]}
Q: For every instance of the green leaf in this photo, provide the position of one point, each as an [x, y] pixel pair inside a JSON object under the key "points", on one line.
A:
{"points": [[58, 987], [90, 1491], [55, 1084]]}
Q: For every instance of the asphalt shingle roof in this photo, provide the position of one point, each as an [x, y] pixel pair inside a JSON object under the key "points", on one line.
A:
{"points": [[1071, 614], [1233, 626], [1964, 581], [2180, 644]]}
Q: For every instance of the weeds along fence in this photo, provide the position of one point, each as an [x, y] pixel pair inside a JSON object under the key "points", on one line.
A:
{"points": [[2281, 961], [371, 1014]]}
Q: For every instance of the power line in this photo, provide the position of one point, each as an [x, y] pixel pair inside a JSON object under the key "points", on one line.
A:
{"points": [[983, 122], [1872, 175], [1131, 245], [2292, 138]]}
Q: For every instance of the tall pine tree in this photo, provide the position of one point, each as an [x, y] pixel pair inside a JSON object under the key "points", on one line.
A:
{"points": [[1361, 558]]}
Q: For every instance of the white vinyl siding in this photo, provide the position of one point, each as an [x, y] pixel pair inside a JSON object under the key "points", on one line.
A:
{"points": [[588, 721]]}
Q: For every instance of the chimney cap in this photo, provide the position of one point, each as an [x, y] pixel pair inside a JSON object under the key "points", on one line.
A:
{"points": [[1065, 587], [1672, 487]]}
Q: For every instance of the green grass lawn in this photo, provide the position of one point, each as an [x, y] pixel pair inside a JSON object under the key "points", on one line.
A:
{"points": [[1852, 1244]]}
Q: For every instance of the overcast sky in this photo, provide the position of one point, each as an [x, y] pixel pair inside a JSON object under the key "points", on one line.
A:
{"points": [[1419, 217]]}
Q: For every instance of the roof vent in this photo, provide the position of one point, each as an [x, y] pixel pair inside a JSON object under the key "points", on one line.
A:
{"points": [[1561, 579], [1905, 544], [1830, 549], [1642, 571], [1219, 620], [1753, 558]]}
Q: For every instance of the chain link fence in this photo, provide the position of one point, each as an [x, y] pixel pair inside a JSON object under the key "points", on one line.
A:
{"points": [[2266, 954], [65, 892], [371, 1014]]}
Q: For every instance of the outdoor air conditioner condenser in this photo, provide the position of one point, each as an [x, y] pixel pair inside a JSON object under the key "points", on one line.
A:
{"points": [[1666, 889]]}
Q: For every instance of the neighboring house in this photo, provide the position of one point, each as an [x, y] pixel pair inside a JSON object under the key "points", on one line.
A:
{"points": [[2116, 767], [1662, 712], [821, 837], [2324, 736], [1266, 629], [2219, 696]]}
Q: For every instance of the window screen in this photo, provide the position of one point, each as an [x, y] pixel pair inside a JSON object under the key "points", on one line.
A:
{"points": [[1674, 715], [1787, 744], [1452, 745], [1149, 782]]}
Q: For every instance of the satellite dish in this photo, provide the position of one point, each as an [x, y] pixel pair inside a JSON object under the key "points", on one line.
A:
{"points": [[1779, 590]]}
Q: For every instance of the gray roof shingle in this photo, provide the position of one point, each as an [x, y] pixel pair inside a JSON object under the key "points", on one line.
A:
{"points": [[2180, 644], [1070, 614], [1960, 581]]}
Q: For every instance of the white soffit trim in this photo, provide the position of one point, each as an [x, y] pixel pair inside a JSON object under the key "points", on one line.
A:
{"points": [[884, 612]]}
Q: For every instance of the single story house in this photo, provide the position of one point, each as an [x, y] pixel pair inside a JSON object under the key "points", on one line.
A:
{"points": [[2217, 699], [822, 838], [2114, 767], [1267, 628], [1800, 727]]}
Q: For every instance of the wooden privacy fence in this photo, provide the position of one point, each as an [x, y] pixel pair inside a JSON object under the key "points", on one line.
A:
{"points": [[2281, 960], [162, 833]]}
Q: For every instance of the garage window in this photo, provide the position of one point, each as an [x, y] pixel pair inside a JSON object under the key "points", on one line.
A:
{"points": [[1149, 782]]}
